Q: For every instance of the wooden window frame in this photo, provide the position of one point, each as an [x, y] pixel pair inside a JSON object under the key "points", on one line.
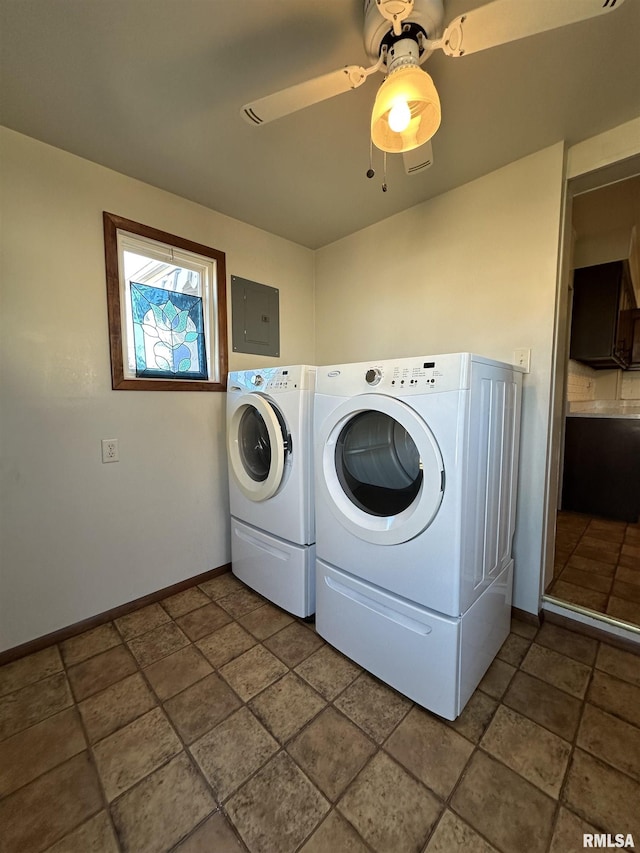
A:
{"points": [[119, 382]]}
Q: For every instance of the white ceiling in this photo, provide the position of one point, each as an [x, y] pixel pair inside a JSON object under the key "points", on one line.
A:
{"points": [[153, 89]]}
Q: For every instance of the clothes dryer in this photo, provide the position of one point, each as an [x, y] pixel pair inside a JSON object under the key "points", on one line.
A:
{"points": [[416, 464], [269, 443]]}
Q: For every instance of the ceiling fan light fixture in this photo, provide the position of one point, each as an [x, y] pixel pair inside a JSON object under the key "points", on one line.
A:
{"points": [[406, 112]]}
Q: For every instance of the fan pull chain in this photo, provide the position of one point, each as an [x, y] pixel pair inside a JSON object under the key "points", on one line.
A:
{"points": [[370, 172], [384, 173]]}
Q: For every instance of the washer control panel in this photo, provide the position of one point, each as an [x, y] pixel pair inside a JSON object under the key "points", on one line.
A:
{"points": [[274, 379]]}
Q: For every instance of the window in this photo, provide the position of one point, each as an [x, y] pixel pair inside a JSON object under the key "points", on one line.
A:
{"points": [[166, 299]]}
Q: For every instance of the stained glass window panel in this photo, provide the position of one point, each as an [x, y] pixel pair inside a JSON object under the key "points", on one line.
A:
{"points": [[168, 333]]}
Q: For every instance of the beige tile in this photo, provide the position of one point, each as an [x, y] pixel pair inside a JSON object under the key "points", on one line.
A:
{"points": [[568, 834], [632, 552], [511, 813], [141, 621], [94, 836], [625, 590], [233, 751], [624, 665], [221, 585], [328, 671], [331, 751], [568, 643], [226, 644], [592, 566], [286, 706], [621, 608], [590, 546], [602, 795], [177, 671], [241, 602], [111, 709], [203, 621], [632, 535], [589, 598], [609, 530], [33, 751], [514, 649], [39, 814], [373, 706], [475, 716], [389, 808], [157, 643], [335, 834], [588, 580], [252, 671], [453, 835], [163, 808], [294, 643], [185, 601], [534, 753], [99, 672], [616, 696], [129, 754], [277, 809], [610, 739], [497, 678], [91, 643], [214, 836], [544, 704], [430, 750], [33, 703], [29, 669], [628, 575], [265, 621], [563, 672], [629, 561], [201, 707]]}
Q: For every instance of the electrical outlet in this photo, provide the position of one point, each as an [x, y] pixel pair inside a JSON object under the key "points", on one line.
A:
{"points": [[110, 452], [522, 358]]}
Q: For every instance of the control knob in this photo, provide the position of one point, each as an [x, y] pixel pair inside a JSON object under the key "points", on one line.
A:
{"points": [[257, 380], [373, 375]]}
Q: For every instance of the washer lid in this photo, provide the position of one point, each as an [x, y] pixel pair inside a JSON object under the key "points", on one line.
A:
{"points": [[380, 469], [258, 443]]}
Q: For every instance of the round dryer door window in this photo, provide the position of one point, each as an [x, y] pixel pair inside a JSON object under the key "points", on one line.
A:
{"points": [[382, 470], [258, 443]]}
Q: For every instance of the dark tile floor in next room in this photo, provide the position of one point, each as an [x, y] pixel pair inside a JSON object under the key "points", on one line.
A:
{"points": [[214, 722], [597, 565]]}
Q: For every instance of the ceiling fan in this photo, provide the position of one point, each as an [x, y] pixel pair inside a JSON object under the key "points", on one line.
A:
{"points": [[399, 36]]}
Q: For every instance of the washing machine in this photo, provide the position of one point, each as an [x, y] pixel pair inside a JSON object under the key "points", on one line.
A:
{"points": [[416, 467], [269, 443]]}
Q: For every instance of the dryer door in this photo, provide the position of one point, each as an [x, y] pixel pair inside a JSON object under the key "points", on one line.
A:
{"points": [[258, 443], [381, 469]]}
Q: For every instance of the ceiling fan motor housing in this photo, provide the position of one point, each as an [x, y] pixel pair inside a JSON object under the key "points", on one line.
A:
{"points": [[427, 15]]}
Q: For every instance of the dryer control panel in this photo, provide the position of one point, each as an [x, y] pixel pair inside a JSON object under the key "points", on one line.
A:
{"points": [[402, 376]]}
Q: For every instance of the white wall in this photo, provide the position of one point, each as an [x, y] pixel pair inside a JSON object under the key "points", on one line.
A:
{"points": [[79, 537], [474, 269]]}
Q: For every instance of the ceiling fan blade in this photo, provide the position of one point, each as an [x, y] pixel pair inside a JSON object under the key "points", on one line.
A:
{"points": [[509, 20], [419, 159], [305, 94]]}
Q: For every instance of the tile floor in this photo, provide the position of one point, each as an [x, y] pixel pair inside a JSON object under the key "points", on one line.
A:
{"points": [[597, 565], [214, 722]]}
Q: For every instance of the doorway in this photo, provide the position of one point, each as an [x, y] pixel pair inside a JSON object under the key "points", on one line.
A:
{"points": [[593, 558]]}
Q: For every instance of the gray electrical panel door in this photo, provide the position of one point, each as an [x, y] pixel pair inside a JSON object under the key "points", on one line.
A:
{"points": [[255, 317]]}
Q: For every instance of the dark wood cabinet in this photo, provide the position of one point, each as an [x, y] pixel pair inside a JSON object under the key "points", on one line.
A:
{"points": [[602, 317], [602, 467], [635, 340]]}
